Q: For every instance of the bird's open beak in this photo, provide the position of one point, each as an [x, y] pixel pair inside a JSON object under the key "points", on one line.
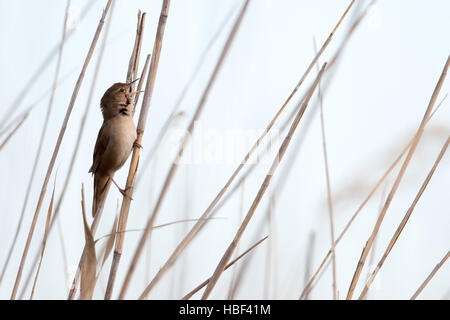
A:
{"points": [[134, 81]]}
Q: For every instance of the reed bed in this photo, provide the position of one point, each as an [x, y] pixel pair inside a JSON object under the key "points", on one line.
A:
{"points": [[289, 248]]}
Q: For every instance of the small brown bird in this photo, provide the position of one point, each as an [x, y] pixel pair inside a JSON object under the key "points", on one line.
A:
{"points": [[115, 140]]}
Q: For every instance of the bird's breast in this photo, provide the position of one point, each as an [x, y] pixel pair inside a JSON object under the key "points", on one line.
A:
{"points": [[122, 134]]}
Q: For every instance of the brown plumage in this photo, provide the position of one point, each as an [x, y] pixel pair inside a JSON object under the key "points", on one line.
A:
{"points": [[115, 139]]}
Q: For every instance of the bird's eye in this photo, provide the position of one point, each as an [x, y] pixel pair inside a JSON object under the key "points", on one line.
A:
{"points": [[122, 90]]}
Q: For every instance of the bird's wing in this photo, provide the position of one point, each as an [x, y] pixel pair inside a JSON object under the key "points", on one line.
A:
{"points": [[100, 147]]}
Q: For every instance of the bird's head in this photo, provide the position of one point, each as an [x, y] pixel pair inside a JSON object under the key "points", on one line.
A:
{"points": [[118, 99]]}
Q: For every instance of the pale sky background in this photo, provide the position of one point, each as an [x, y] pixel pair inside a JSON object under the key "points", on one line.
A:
{"points": [[376, 100]]}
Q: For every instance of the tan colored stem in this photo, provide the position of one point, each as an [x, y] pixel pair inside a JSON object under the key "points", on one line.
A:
{"points": [[430, 276], [327, 178]]}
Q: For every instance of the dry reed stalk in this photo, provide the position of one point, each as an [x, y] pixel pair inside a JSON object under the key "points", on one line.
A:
{"points": [[196, 229], [374, 247], [141, 81], [44, 241], [278, 158], [9, 137], [183, 145], [204, 283], [176, 106], [39, 71], [232, 288], [244, 266], [110, 243], [41, 139], [55, 152], [89, 265], [430, 276], [126, 202], [93, 229], [404, 220], [327, 177], [400, 174], [269, 258], [136, 49], [308, 286]]}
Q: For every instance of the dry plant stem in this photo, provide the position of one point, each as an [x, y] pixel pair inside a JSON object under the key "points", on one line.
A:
{"points": [[55, 152], [89, 264], [430, 276], [93, 229], [327, 176], [404, 221], [204, 283], [183, 145], [174, 112], [269, 258], [220, 267], [197, 227], [6, 141], [44, 241], [244, 266], [141, 81], [33, 80], [130, 71], [231, 289], [125, 208], [41, 140], [134, 60], [308, 286], [391, 194]]}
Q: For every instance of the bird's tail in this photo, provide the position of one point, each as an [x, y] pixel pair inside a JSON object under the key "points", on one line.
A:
{"points": [[101, 187]]}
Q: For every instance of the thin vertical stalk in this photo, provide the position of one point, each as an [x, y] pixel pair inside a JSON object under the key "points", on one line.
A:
{"points": [[327, 177], [126, 202]]}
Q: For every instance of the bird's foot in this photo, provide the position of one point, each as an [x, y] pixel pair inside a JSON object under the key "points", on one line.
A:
{"points": [[122, 191]]}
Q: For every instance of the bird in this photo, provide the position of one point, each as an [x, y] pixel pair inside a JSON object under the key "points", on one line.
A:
{"points": [[116, 139]]}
